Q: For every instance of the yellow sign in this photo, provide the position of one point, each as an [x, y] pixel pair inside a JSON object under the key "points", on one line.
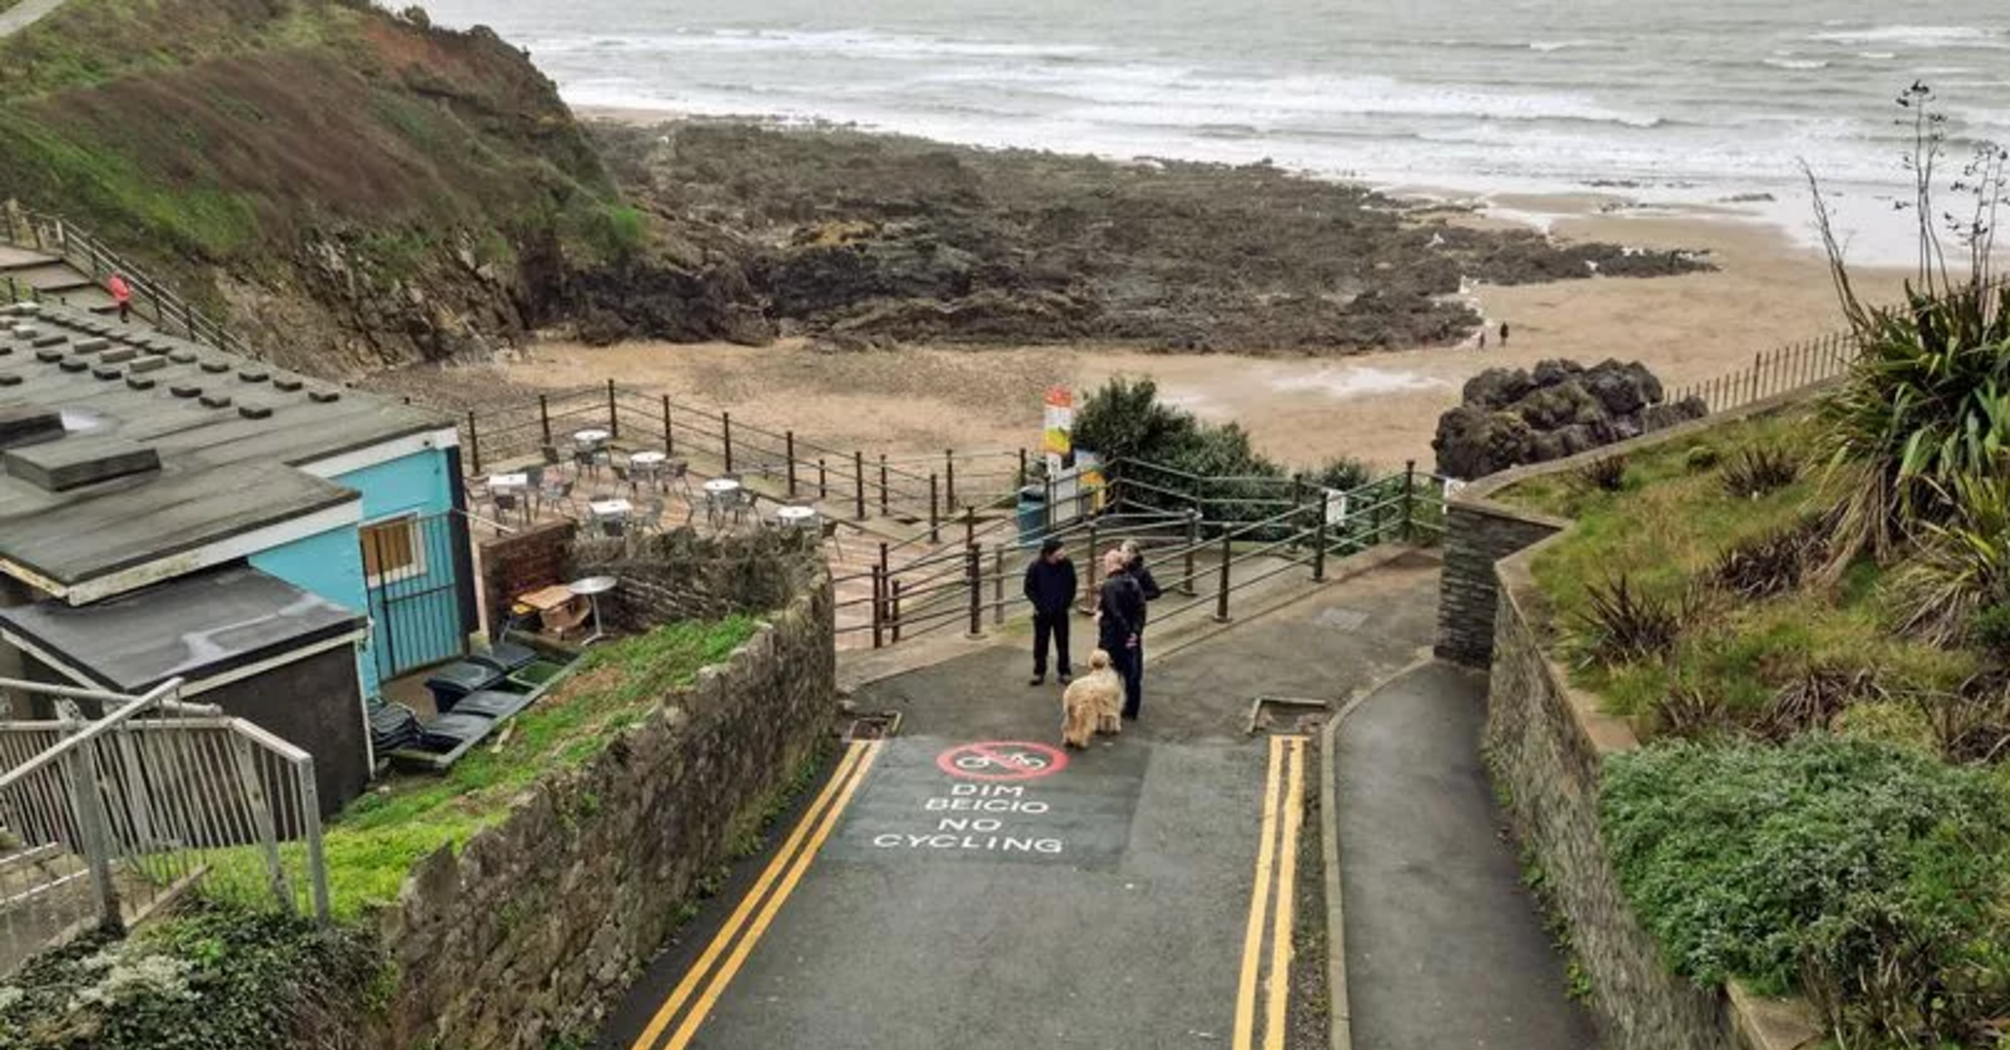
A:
{"points": [[1056, 441]]}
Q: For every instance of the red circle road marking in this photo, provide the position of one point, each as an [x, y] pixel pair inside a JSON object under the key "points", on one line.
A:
{"points": [[1008, 756]]}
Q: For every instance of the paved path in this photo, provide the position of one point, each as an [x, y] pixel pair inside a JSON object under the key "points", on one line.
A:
{"points": [[1444, 945], [1128, 900], [25, 14]]}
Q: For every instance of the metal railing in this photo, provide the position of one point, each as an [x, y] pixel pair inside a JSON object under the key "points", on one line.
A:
{"points": [[153, 300], [1205, 560], [857, 485], [106, 819]]}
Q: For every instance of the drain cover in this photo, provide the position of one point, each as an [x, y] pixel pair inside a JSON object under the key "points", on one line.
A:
{"points": [[1341, 619]]}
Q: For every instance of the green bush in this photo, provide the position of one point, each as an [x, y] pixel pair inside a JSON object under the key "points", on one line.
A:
{"points": [[1341, 474], [1701, 458], [1869, 877], [217, 977], [1989, 629], [1961, 566]]}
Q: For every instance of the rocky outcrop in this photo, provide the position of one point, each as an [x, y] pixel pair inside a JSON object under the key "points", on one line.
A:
{"points": [[1509, 417]]}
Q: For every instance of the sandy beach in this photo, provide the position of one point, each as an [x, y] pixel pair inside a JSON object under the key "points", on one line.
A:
{"points": [[1380, 407]]}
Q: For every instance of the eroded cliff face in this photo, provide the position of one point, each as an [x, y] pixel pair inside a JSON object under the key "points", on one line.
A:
{"points": [[352, 189]]}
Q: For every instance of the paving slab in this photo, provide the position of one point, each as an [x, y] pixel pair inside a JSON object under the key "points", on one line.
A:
{"points": [[1445, 947]]}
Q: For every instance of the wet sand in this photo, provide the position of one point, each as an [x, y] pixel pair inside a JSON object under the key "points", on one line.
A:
{"points": [[1379, 407]]}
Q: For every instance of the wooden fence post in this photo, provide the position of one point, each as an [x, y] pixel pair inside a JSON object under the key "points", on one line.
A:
{"points": [[879, 605], [789, 452], [1319, 545], [885, 506], [894, 612], [474, 443], [974, 571], [544, 416], [613, 417], [669, 443], [858, 480], [998, 584], [1221, 596], [1192, 547], [726, 436], [949, 477], [823, 480], [1409, 498], [934, 513]]}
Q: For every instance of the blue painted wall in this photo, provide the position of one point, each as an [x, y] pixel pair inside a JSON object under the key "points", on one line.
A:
{"points": [[425, 626]]}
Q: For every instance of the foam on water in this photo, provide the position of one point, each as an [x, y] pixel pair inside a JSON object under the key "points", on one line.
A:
{"points": [[1352, 382], [1677, 103]]}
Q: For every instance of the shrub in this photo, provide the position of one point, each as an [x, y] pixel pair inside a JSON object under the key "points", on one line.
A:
{"points": [[1765, 565], [1341, 474], [1604, 474], [1701, 458], [1814, 699], [1866, 875], [1621, 624], [1896, 723], [1689, 712], [1756, 472], [1962, 566], [1989, 630]]}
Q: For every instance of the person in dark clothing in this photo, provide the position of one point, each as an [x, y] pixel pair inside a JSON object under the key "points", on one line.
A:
{"points": [[1120, 618], [1148, 589], [1050, 586], [1504, 335]]}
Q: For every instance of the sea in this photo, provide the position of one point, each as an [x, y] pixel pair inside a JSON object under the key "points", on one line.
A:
{"points": [[1673, 105]]}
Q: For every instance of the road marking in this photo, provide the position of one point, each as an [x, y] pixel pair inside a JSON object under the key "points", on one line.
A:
{"points": [[1276, 881], [849, 769], [1287, 899], [703, 1008], [1252, 939]]}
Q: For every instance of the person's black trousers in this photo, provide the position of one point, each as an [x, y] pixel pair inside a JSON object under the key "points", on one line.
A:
{"points": [[1129, 666], [1053, 625]]}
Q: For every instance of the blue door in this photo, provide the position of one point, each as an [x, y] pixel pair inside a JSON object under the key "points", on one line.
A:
{"points": [[410, 566]]}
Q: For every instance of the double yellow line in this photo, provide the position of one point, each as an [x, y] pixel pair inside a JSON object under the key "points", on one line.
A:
{"points": [[1276, 881], [758, 908]]}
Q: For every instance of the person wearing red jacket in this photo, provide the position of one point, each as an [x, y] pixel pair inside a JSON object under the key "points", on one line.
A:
{"points": [[122, 295]]}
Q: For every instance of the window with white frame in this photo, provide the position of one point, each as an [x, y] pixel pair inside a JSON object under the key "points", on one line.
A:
{"points": [[392, 550]]}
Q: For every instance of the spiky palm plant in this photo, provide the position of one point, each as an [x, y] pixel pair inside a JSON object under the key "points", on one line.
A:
{"points": [[1962, 565], [1927, 402]]}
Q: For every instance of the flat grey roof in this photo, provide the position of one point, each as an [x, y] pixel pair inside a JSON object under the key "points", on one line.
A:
{"points": [[229, 431], [195, 627]]}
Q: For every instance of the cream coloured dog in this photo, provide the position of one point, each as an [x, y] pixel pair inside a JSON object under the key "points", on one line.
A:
{"points": [[1092, 703]]}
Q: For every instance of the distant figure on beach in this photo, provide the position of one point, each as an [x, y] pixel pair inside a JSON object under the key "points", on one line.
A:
{"points": [[1483, 339], [122, 295], [1504, 335]]}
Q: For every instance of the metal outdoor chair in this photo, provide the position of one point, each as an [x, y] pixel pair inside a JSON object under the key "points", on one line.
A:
{"points": [[556, 490], [675, 472], [614, 527], [829, 530], [650, 517], [586, 460], [507, 504]]}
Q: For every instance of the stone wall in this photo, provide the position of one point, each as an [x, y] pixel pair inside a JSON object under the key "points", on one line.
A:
{"points": [[1478, 534], [522, 562], [679, 576], [541, 922]]}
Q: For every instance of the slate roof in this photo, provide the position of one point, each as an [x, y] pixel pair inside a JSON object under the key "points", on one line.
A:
{"points": [[230, 433], [195, 627]]}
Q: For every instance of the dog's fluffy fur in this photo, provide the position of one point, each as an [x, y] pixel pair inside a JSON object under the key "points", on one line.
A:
{"points": [[1092, 703]]}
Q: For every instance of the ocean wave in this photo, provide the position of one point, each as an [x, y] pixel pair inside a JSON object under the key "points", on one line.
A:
{"points": [[1876, 56], [842, 43], [1918, 36], [1560, 45], [1796, 63]]}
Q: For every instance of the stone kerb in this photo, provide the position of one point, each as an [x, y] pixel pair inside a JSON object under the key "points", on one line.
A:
{"points": [[1546, 744], [542, 920]]}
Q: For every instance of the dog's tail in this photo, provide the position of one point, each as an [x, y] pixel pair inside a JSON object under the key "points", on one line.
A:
{"points": [[1099, 660]]}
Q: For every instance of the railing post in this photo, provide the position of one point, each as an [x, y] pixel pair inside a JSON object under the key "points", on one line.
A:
{"points": [[879, 603], [613, 413], [474, 443], [998, 584], [970, 526], [949, 477], [1221, 595], [934, 513], [669, 442], [1409, 499], [1095, 563], [544, 416], [823, 481], [974, 568], [1022, 467], [1047, 506], [1319, 545], [789, 453], [726, 436], [1192, 551], [310, 815], [858, 481], [895, 612], [95, 830], [885, 506]]}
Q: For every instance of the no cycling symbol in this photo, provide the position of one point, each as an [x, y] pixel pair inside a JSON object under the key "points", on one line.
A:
{"points": [[1002, 760]]}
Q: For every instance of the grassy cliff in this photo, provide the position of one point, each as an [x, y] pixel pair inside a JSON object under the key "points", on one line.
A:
{"points": [[329, 174]]}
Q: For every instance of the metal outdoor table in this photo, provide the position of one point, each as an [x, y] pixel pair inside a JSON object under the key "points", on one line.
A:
{"points": [[593, 587]]}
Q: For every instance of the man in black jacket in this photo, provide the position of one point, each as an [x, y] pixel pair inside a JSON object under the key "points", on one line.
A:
{"points": [[1050, 586], [1120, 620], [1148, 590]]}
